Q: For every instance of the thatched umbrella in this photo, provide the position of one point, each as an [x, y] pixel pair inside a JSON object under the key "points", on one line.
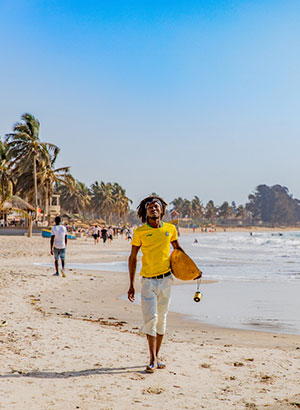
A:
{"points": [[97, 222], [18, 205], [101, 221], [83, 225]]}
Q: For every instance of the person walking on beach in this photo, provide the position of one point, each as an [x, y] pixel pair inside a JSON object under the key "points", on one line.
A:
{"points": [[154, 239], [104, 234], [58, 244], [110, 233], [96, 234], [129, 234]]}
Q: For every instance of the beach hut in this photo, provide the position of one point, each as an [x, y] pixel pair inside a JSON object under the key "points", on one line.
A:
{"points": [[21, 207]]}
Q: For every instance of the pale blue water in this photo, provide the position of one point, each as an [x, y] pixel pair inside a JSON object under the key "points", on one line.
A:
{"points": [[263, 306], [258, 280]]}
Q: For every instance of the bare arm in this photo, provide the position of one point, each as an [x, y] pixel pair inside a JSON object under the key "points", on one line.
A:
{"points": [[132, 269], [51, 244], [176, 245]]}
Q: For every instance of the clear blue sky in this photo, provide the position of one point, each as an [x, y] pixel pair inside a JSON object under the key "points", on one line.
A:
{"points": [[182, 98]]}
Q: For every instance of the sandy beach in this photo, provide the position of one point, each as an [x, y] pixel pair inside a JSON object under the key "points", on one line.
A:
{"points": [[73, 344]]}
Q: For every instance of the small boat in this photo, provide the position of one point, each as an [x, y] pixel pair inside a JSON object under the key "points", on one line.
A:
{"points": [[46, 233]]}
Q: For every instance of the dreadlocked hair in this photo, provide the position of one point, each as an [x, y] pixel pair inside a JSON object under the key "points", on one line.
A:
{"points": [[141, 209]]}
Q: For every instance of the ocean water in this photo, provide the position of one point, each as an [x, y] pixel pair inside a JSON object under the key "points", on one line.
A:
{"points": [[239, 256], [258, 280]]}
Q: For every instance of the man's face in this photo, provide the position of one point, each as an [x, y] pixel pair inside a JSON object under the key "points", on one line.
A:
{"points": [[153, 210]]}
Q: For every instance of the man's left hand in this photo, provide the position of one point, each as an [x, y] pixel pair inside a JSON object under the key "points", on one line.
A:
{"points": [[131, 293]]}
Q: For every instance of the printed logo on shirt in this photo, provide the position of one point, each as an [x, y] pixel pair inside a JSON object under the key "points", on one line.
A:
{"points": [[167, 233], [149, 234]]}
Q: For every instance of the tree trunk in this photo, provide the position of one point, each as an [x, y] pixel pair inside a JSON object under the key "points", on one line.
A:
{"points": [[35, 184], [46, 210], [45, 205], [29, 227]]}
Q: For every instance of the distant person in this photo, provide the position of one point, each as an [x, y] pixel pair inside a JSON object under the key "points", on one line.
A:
{"points": [[58, 244], [96, 234], [129, 234], [104, 234], [196, 240], [110, 233]]}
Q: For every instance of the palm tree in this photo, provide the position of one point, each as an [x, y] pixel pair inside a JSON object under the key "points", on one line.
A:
{"points": [[81, 197], [27, 150], [178, 205], [197, 207], [96, 195], [107, 201], [225, 211], [74, 199], [8, 201], [241, 212], [49, 177], [6, 183], [121, 201], [210, 211], [187, 208]]}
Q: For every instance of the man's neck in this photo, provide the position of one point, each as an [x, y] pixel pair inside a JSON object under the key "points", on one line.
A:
{"points": [[155, 223]]}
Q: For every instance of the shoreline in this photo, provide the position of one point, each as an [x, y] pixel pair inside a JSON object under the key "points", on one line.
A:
{"points": [[73, 343], [108, 255], [188, 231], [110, 299]]}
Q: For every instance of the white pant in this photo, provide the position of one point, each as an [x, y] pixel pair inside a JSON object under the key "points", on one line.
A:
{"points": [[155, 300]]}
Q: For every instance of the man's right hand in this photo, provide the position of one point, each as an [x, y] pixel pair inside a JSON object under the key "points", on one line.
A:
{"points": [[51, 251], [131, 293]]}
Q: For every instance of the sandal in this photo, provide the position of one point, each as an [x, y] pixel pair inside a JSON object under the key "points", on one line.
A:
{"points": [[151, 368], [161, 365]]}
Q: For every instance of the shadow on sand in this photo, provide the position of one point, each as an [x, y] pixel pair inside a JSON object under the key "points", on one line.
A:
{"points": [[65, 375]]}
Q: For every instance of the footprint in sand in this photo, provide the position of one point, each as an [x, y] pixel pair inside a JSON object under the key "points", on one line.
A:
{"points": [[238, 364], [265, 378], [154, 390], [137, 376]]}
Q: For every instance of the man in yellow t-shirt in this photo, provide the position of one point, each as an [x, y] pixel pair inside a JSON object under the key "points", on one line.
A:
{"points": [[154, 239]]}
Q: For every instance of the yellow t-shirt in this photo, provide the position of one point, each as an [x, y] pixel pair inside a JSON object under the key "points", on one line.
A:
{"points": [[155, 246]]}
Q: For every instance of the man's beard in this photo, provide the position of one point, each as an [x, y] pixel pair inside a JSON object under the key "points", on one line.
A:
{"points": [[154, 217]]}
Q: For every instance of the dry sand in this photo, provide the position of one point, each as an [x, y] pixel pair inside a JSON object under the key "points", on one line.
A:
{"points": [[73, 344]]}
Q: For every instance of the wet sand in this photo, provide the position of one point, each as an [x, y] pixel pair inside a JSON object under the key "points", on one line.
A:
{"points": [[72, 343]]}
